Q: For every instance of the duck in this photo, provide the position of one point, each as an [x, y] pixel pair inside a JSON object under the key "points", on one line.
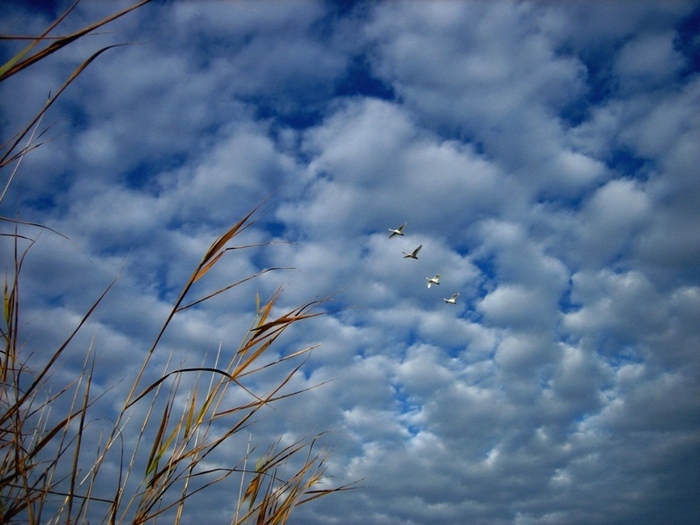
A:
{"points": [[397, 231], [433, 280], [413, 254], [452, 300]]}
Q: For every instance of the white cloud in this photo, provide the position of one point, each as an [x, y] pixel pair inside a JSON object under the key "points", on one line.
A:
{"points": [[648, 60]]}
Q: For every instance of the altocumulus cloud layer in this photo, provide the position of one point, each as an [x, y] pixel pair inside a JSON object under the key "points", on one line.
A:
{"points": [[545, 154]]}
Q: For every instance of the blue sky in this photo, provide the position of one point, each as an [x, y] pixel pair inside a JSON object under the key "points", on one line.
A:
{"points": [[545, 154]]}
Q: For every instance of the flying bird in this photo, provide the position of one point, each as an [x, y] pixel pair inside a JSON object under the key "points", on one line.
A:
{"points": [[397, 231], [433, 280], [452, 300], [413, 254]]}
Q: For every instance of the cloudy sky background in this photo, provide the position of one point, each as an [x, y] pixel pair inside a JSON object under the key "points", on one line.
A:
{"points": [[545, 154]]}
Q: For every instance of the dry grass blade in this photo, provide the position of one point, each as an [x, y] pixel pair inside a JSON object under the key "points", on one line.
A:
{"points": [[233, 285], [7, 158], [270, 499], [206, 265], [54, 357], [159, 447], [264, 312], [221, 241], [33, 224], [204, 269], [61, 42], [284, 320], [5, 68], [29, 147], [70, 497], [162, 379], [293, 316], [287, 357], [212, 253]]}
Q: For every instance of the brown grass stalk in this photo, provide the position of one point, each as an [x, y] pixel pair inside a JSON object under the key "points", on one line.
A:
{"points": [[52, 460]]}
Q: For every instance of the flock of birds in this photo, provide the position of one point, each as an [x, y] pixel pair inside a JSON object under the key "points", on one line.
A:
{"points": [[414, 255]]}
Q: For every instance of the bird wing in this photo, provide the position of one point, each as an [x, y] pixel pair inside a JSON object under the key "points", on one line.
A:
{"points": [[397, 231]]}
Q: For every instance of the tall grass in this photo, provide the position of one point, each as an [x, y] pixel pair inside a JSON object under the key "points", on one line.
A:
{"points": [[167, 433]]}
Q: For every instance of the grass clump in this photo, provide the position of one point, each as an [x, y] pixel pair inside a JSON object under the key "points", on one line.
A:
{"points": [[167, 435]]}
